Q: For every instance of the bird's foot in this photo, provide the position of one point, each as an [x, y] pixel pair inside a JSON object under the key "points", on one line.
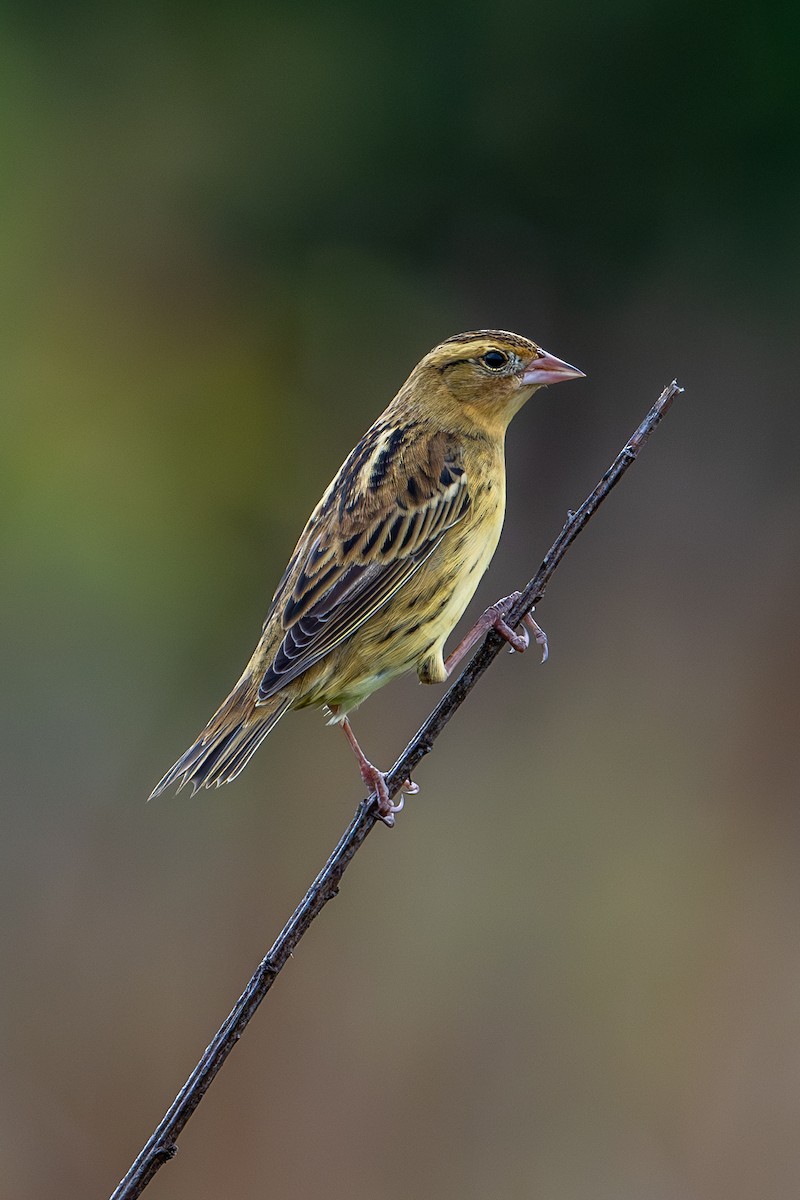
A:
{"points": [[375, 780], [495, 618], [539, 636]]}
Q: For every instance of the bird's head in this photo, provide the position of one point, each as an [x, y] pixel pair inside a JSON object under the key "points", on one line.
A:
{"points": [[487, 375]]}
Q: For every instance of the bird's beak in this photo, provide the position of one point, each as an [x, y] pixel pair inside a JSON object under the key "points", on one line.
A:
{"points": [[548, 369]]}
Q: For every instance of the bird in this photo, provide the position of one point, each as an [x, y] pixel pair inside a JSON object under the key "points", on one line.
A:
{"points": [[389, 558]]}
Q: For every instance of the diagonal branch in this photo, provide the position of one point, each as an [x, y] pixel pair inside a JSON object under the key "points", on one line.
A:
{"points": [[162, 1145]]}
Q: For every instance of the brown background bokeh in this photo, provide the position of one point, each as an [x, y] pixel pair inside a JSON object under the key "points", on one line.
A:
{"points": [[228, 232]]}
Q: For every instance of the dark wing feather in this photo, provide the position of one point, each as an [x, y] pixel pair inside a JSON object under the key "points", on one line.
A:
{"points": [[360, 557]]}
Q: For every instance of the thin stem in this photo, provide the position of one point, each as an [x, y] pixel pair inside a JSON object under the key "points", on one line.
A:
{"points": [[162, 1145]]}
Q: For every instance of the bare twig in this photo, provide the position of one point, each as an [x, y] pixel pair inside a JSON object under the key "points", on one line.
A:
{"points": [[162, 1145]]}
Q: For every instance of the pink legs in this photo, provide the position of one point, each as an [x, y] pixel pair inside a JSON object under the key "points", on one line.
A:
{"points": [[375, 780], [494, 618]]}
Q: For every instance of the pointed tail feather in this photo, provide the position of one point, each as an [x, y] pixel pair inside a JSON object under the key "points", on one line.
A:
{"points": [[227, 743]]}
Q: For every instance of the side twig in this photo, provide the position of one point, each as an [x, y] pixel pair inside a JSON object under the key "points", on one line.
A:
{"points": [[162, 1145]]}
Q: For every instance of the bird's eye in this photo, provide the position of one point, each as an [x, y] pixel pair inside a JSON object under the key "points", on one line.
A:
{"points": [[494, 359]]}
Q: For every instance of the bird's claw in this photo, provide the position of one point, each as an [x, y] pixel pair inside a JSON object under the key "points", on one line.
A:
{"points": [[539, 635], [376, 781], [518, 640], [386, 809]]}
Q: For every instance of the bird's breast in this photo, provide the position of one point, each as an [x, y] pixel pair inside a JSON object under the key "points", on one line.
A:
{"points": [[465, 554]]}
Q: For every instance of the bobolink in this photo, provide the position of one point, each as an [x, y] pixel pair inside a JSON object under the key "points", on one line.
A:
{"points": [[389, 558]]}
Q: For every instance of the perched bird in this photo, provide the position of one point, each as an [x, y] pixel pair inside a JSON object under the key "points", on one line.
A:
{"points": [[389, 558]]}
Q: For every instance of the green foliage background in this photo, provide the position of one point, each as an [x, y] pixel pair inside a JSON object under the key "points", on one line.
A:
{"points": [[227, 232]]}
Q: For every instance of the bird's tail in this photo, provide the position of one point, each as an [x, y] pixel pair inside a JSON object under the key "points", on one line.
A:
{"points": [[228, 742]]}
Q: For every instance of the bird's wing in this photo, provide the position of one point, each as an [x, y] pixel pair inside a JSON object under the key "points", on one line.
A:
{"points": [[386, 512]]}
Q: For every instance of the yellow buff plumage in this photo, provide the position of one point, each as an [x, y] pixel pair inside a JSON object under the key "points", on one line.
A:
{"points": [[389, 558]]}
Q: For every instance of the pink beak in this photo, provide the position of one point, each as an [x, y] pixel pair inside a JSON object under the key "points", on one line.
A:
{"points": [[548, 369]]}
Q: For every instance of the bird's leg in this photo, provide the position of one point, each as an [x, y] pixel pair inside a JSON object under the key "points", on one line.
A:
{"points": [[495, 618], [375, 780]]}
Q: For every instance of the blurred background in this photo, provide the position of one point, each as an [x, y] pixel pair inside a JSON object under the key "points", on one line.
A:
{"points": [[228, 232]]}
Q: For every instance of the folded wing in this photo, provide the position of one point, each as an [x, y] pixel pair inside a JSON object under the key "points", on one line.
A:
{"points": [[387, 511]]}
